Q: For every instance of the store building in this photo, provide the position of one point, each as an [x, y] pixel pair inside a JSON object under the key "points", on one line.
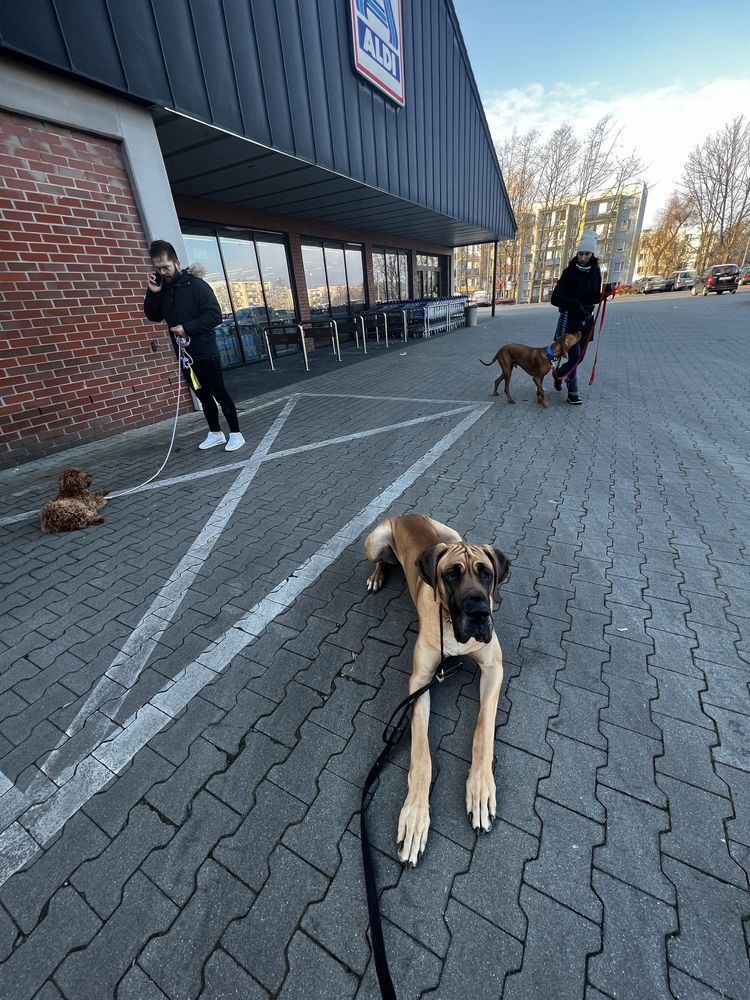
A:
{"points": [[315, 158]]}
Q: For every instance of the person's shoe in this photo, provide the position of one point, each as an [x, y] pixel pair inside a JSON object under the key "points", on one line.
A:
{"points": [[212, 439], [235, 441], [557, 383], [574, 400]]}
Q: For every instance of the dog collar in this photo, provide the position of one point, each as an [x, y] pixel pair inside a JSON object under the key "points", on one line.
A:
{"points": [[550, 353]]}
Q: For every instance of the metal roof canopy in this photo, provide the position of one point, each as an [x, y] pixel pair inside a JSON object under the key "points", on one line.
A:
{"points": [[203, 161]]}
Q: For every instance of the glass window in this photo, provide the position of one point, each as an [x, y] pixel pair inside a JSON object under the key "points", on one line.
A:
{"points": [[337, 288], [391, 274], [277, 285], [204, 251], [403, 266], [378, 273], [355, 278], [315, 279], [249, 272]]}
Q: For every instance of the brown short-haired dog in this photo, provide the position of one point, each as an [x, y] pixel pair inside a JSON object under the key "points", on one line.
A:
{"points": [[75, 506], [535, 361]]}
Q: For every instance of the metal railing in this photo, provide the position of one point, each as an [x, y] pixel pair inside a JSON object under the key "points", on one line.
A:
{"points": [[274, 333]]}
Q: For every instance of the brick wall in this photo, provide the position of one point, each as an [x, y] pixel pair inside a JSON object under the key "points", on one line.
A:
{"points": [[76, 362]]}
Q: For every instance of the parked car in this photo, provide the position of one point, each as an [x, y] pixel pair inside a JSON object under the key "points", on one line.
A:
{"points": [[678, 280], [650, 283], [720, 278], [744, 276]]}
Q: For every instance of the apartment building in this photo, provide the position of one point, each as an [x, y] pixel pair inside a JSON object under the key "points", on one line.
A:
{"points": [[548, 239]]}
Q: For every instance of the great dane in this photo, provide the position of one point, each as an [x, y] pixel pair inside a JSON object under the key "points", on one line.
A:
{"points": [[455, 580]]}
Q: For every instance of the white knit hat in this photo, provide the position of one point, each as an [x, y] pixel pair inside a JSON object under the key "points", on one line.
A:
{"points": [[587, 242]]}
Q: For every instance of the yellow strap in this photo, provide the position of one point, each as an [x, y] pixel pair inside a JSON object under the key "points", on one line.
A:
{"points": [[194, 379]]}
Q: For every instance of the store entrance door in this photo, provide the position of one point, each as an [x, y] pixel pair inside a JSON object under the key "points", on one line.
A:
{"points": [[429, 277]]}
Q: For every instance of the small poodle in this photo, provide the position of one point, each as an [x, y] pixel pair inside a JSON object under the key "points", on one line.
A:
{"points": [[76, 506]]}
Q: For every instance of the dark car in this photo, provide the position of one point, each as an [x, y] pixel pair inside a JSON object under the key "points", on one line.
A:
{"points": [[720, 278], [678, 280]]}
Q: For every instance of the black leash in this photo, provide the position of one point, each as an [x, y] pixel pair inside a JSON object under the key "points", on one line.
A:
{"points": [[448, 666]]}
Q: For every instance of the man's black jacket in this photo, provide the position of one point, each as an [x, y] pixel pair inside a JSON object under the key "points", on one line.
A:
{"points": [[191, 303]]}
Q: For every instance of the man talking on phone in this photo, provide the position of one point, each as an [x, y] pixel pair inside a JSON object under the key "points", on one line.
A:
{"points": [[191, 311]]}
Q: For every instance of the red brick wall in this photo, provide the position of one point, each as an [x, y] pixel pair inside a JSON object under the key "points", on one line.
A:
{"points": [[76, 363]]}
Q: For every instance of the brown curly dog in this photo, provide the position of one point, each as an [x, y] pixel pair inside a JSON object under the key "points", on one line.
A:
{"points": [[75, 506]]}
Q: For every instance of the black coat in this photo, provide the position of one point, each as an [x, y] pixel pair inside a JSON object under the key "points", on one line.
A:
{"points": [[189, 302], [577, 292]]}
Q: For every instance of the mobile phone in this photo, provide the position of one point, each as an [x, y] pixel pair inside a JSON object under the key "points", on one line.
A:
{"points": [[156, 278]]}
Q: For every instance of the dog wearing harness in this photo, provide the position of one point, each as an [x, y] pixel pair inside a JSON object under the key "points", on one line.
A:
{"points": [[452, 584]]}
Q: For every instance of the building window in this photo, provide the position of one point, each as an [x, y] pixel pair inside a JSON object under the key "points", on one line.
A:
{"points": [[620, 248], [617, 267], [335, 278], [250, 275], [390, 269], [603, 207]]}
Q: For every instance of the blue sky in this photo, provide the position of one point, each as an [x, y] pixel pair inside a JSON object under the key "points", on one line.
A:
{"points": [[669, 73]]}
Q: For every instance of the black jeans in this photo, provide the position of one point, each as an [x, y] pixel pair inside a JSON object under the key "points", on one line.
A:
{"points": [[213, 391], [577, 351]]}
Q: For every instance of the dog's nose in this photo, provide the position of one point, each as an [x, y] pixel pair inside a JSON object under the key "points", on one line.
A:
{"points": [[476, 605]]}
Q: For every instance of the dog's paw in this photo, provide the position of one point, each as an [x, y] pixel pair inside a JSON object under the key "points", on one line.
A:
{"points": [[413, 827], [481, 803], [376, 580]]}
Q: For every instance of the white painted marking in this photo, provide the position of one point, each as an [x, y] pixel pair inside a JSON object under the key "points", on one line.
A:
{"points": [[130, 662], [217, 470], [45, 819]]}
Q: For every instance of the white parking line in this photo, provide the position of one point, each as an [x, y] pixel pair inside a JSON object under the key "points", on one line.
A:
{"points": [[24, 837]]}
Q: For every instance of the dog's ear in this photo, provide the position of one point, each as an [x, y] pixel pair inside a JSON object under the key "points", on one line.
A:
{"points": [[570, 340], [501, 564], [427, 564]]}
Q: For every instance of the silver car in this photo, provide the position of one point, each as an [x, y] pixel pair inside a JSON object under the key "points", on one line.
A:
{"points": [[650, 283]]}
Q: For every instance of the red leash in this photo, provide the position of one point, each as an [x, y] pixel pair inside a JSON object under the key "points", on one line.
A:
{"points": [[608, 292]]}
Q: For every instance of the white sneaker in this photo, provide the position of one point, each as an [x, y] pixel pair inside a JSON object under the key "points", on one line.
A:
{"points": [[212, 439], [235, 441]]}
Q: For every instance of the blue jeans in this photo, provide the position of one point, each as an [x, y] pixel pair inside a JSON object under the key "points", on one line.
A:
{"points": [[577, 353]]}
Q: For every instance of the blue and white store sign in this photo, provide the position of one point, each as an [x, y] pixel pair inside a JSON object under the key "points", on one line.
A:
{"points": [[378, 45]]}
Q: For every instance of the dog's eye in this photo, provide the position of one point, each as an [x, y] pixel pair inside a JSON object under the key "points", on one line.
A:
{"points": [[452, 573], [485, 573]]}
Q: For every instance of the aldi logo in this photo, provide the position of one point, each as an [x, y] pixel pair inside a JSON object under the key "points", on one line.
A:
{"points": [[378, 45]]}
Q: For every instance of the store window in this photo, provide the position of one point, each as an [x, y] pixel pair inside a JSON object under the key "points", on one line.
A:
{"points": [[334, 276], [429, 277], [249, 273], [390, 269]]}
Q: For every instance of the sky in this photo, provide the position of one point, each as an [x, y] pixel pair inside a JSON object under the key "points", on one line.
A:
{"points": [[669, 73]]}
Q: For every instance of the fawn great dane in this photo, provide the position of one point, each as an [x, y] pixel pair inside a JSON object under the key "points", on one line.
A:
{"points": [[449, 578]]}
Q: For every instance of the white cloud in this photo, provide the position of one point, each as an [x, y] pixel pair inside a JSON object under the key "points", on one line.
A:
{"points": [[663, 124]]}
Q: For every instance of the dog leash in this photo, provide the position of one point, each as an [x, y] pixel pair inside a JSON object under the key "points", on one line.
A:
{"points": [[607, 293], [448, 666], [184, 360]]}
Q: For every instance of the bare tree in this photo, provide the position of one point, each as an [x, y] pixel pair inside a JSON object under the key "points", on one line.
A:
{"points": [[716, 181], [595, 166], [555, 186], [519, 157], [667, 246]]}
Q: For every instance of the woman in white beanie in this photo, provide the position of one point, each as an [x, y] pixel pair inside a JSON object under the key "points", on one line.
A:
{"points": [[576, 295]]}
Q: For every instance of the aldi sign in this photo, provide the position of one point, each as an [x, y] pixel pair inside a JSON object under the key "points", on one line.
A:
{"points": [[378, 45]]}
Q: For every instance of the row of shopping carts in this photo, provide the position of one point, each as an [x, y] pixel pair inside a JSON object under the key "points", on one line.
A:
{"points": [[388, 322]]}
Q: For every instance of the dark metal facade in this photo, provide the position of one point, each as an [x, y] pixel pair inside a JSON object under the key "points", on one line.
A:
{"points": [[280, 73]]}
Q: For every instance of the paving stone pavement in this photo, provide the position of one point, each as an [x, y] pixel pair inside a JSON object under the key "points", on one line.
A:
{"points": [[192, 694]]}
